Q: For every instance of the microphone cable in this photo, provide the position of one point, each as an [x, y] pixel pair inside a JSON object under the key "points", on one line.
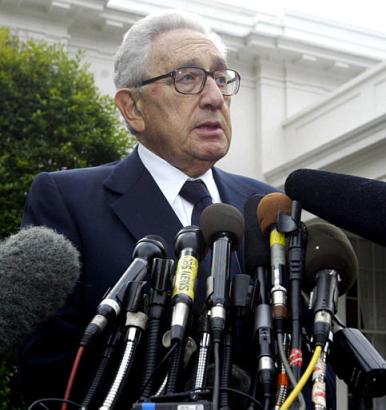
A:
{"points": [[318, 395], [290, 374], [216, 382], [135, 325], [263, 340], [282, 384], [303, 380], [226, 370], [43, 402], [296, 238], [190, 348], [238, 309], [111, 345], [203, 352], [156, 369], [71, 379], [175, 366], [161, 273]]}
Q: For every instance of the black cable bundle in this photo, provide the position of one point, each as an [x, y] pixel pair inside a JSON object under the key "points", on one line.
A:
{"points": [[162, 270]]}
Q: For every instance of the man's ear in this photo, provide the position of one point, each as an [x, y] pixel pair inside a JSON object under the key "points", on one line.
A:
{"points": [[126, 101]]}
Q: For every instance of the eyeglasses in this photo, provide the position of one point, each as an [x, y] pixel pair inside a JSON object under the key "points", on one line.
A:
{"points": [[192, 80]]}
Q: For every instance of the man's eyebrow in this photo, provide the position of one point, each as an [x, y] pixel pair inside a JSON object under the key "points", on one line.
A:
{"points": [[218, 63]]}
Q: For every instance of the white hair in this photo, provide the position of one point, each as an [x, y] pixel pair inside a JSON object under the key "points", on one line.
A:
{"points": [[132, 56]]}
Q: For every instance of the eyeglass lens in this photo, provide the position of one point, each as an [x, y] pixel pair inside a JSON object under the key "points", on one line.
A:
{"points": [[191, 80]]}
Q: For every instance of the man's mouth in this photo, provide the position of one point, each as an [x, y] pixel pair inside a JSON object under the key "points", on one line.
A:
{"points": [[210, 125]]}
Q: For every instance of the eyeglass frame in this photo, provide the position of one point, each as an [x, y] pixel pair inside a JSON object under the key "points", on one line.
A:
{"points": [[173, 73]]}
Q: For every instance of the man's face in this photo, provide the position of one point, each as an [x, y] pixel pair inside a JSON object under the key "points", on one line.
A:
{"points": [[191, 132]]}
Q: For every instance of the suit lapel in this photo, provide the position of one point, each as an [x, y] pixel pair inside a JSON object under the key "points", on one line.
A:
{"points": [[141, 206], [229, 190]]}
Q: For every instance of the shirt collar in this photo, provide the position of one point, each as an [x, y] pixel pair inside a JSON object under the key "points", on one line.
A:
{"points": [[169, 178]]}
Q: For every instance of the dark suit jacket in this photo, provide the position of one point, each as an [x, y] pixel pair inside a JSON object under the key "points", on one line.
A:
{"points": [[104, 211]]}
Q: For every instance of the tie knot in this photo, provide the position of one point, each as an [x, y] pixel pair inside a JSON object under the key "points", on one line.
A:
{"points": [[195, 192]]}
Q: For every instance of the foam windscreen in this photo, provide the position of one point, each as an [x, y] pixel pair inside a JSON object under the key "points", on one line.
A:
{"points": [[352, 203]]}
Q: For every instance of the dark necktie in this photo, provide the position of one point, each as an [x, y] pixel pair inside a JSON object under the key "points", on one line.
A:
{"points": [[198, 195]]}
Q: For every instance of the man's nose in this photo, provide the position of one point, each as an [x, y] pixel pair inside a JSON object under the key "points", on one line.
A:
{"points": [[211, 95]]}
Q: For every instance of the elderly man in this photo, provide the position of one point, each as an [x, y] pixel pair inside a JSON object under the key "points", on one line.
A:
{"points": [[174, 90]]}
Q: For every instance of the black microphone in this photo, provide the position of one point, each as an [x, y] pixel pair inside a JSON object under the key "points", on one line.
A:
{"points": [[38, 269], [256, 244], [352, 203], [257, 262], [223, 230], [146, 249], [331, 268]]}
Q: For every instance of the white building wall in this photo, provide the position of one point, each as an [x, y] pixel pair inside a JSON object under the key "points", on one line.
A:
{"points": [[287, 64]]}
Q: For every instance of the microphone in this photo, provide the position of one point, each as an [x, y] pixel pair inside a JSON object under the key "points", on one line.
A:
{"points": [[268, 211], [271, 214], [257, 261], [189, 248], [223, 229], [256, 245], [146, 249], [38, 269], [331, 268], [352, 203]]}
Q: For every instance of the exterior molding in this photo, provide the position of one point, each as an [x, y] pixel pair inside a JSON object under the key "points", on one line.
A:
{"points": [[348, 122]]}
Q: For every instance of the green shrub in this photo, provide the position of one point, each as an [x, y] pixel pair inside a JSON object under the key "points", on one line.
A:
{"points": [[51, 117]]}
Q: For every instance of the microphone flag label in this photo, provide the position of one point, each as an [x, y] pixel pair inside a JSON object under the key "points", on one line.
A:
{"points": [[186, 275], [276, 238]]}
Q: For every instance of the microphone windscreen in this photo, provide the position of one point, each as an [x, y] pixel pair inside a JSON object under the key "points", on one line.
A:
{"points": [[149, 247], [161, 242], [352, 203], [217, 218], [329, 248], [190, 237], [38, 269], [270, 206], [256, 244]]}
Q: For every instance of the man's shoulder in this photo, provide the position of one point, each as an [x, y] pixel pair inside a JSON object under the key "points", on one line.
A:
{"points": [[243, 182], [86, 172], [76, 181], [117, 170]]}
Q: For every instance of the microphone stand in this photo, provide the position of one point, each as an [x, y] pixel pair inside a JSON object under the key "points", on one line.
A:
{"points": [[219, 299], [112, 343], [285, 224], [203, 352], [296, 235], [135, 325], [263, 336], [319, 379], [238, 308]]}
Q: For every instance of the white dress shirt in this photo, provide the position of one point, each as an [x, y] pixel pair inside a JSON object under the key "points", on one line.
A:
{"points": [[170, 181]]}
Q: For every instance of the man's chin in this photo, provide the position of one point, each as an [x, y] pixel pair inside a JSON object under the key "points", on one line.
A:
{"points": [[213, 151]]}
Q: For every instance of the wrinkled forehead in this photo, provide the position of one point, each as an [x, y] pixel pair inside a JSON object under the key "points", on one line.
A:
{"points": [[184, 47]]}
